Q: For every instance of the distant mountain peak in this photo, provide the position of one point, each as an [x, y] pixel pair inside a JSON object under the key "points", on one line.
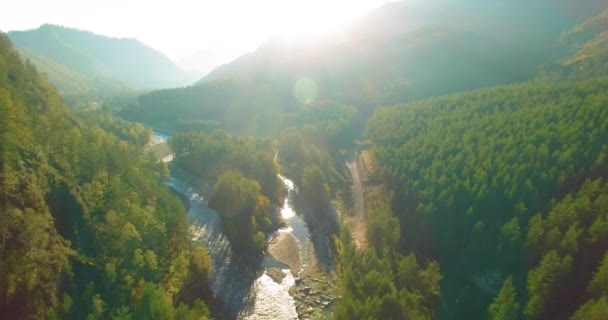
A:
{"points": [[96, 56]]}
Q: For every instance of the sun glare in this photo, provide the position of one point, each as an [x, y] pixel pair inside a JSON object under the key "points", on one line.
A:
{"points": [[297, 20]]}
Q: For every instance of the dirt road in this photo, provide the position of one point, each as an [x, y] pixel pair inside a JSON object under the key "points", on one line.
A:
{"points": [[356, 188], [358, 218]]}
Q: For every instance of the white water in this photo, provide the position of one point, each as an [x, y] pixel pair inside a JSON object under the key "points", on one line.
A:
{"points": [[246, 293], [157, 138]]}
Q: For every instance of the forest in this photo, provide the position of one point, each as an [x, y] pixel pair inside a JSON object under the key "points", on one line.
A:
{"points": [[310, 149], [380, 282], [482, 147], [246, 182], [88, 230], [473, 173]]}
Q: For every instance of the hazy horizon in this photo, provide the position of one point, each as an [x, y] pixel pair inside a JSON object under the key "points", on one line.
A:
{"points": [[182, 28]]}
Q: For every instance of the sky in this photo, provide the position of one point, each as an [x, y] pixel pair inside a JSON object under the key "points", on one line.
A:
{"points": [[179, 28]]}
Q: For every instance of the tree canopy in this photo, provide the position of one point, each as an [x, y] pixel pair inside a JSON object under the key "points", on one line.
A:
{"points": [[473, 168], [88, 230]]}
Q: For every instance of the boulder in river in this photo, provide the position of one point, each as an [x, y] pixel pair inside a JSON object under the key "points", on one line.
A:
{"points": [[276, 275]]}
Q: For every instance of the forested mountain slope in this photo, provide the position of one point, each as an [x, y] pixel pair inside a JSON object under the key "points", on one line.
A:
{"points": [[588, 44], [400, 52], [87, 227], [68, 81], [469, 171], [97, 58]]}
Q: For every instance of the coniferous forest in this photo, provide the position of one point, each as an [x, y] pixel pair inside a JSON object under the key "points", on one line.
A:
{"points": [[440, 160], [478, 178], [88, 228]]}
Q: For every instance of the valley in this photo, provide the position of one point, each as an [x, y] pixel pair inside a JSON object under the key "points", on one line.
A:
{"points": [[432, 160], [270, 287]]}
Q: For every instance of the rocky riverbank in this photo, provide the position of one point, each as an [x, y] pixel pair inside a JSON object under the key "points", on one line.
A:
{"points": [[284, 248], [314, 292]]}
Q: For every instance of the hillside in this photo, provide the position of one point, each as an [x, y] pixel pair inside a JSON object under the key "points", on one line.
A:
{"points": [[469, 172], [100, 59], [69, 82], [88, 230], [588, 46], [479, 129], [400, 52]]}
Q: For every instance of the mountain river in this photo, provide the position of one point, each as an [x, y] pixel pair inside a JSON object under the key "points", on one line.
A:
{"points": [[247, 292]]}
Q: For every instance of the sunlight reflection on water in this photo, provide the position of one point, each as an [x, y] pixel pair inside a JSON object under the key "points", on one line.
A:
{"points": [[269, 300], [287, 212], [272, 300], [247, 296]]}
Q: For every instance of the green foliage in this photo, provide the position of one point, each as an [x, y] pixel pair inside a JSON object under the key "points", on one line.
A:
{"points": [[234, 194], [314, 147], [315, 188], [379, 282], [243, 211], [372, 291], [475, 165], [228, 105], [595, 309], [598, 285], [568, 238], [597, 305], [69, 81], [87, 230], [306, 133], [297, 152], [505, 305], [199, 311], [134, 133], [587, 44], [311, 138], [96, 58], [382, 232], [151, 303], [510, 232], [208, 155]]}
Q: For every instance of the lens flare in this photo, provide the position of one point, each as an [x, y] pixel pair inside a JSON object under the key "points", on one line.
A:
{"points": [[305, 90]]}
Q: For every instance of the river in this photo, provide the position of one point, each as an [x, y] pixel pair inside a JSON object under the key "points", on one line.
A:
{"points": [[248, 292]]}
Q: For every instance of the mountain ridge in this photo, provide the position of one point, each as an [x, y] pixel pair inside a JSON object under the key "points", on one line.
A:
{"points": [[96, 56], [400, 52]]}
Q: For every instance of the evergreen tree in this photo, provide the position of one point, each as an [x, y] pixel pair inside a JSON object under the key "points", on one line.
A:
{"points": [[505, 305]]}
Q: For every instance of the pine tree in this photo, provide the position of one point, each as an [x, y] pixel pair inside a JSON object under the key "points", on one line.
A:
{"points": [[505, 305]]}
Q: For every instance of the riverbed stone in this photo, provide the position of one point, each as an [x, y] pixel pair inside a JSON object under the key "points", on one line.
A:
{"points": [[293, 291], [276, 275]]}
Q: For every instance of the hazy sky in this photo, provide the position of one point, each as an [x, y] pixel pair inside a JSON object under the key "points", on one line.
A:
{"points": [[179, 28]]}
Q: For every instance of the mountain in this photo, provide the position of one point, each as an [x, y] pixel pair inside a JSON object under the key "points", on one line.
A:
{"points": [[88, 229], [495, 181], [481, 173], [411, 49], [67, 81], [400, 52], [488, 194], [73, 56], [588, 46]]}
